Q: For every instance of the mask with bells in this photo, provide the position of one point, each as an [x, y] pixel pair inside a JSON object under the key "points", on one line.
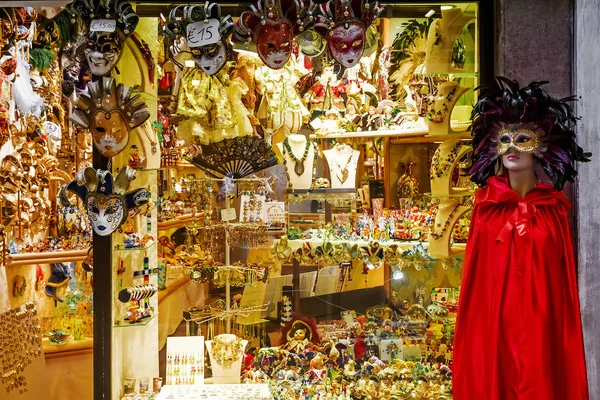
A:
{"points": [[110, 113], [344, 23], [210, 54], [107, 200], [104, 46], [272, 28]]}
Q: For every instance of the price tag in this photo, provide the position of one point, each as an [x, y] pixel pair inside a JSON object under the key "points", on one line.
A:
{"points": [[228, 214], [103, 25], [200, 34]]}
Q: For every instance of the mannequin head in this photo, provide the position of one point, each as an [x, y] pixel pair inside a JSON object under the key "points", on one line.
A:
{"points": [[515, 161]]}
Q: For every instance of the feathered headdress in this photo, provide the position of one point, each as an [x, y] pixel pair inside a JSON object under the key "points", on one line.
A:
{"points": [[506, 103]]}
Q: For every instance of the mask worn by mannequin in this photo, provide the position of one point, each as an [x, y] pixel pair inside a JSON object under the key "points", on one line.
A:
{"points": [[273, 29], [107, 201], [110, 113], [345, 27], [524, 138]]}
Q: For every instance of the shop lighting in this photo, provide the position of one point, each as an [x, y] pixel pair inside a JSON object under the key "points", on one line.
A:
{"points": [[444, 8], [430, 13], [397, 275]]}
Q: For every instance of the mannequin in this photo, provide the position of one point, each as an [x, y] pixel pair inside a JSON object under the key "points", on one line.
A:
{"points": [[441, 38], [343, 162], [518, 326], [300, 177]]}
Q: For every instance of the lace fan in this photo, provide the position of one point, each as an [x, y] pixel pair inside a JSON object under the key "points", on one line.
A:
{"points": [[237, 158]]}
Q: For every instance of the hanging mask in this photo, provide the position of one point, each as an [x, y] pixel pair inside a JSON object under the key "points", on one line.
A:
{"points": [[206, 32], [110, 113], [106, 201], [272, 28], [344, 23], [109, 24]]}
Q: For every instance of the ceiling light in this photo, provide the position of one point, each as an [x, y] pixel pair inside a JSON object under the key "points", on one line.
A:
{"points": [[444, 8], [430, 13], [397, 275]]}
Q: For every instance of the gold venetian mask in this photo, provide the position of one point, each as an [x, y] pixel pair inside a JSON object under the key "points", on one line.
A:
{"points": [[523, 138]]}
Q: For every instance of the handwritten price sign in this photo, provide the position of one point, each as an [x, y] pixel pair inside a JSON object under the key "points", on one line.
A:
{"points": [[103, 25], [201, 34]]}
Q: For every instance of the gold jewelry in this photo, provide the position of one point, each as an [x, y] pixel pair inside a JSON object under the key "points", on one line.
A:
{"points": [[226, 349]]}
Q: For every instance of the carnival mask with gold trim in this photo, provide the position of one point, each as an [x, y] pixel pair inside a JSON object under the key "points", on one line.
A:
{"points": [[104, 47], [110, 113], [106, 200], [524, 138]]}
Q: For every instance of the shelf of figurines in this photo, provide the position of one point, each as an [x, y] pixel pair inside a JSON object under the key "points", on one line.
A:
{"points": [[67, 346], [125, 323], [132, 246], [297, 195], [55, 257]]}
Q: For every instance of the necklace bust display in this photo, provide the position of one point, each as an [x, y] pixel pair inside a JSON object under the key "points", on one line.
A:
{"points": [[299, 156], [342, 161]]}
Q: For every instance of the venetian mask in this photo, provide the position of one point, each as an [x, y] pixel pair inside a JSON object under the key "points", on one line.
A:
{"points": [[102, 53], [110, 113], [346, 43], [211, 58], [54, 134], [523, 138], [107, 201], [344, 23], [272, 28], [274, 43]]}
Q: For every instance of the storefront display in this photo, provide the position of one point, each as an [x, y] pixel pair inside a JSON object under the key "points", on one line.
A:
{"points": [[285, 179]]}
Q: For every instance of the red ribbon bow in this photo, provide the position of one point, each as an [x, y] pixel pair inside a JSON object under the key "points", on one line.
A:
{"points": [[518, 220]]}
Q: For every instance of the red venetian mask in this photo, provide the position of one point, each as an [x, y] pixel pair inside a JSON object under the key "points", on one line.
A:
{"points": [[274, 43], [346, 43]]}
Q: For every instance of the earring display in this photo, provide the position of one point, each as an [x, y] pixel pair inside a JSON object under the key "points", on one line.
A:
{"points": [[185, 361]]}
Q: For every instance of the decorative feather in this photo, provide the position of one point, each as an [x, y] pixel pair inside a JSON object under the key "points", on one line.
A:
{"points": [[40, 58], [505, 102]]}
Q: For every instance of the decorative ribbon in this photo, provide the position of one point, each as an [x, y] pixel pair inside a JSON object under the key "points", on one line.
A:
{"points": [[518, 220]]}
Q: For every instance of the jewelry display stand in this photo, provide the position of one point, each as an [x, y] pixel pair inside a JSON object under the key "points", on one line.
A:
{"points": [[447, 95], [231, 373], [300, 172], [444, 161], [449, 212], [343, 162], [440, 41]]}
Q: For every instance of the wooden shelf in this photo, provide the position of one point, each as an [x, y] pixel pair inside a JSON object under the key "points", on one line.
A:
{"points": [[72, 347], [163, 294], [14, 260], [372, 134]]}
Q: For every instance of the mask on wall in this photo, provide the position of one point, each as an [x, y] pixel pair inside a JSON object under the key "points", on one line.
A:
{"points": [[110, 113], [344, 23], [272, 28], [109, 24], [106, 201], [206, 32]]}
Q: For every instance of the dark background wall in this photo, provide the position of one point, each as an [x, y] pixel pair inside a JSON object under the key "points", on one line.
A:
{"points": [[558, 41]]}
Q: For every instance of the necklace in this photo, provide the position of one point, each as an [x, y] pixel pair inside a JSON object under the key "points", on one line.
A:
{"points": [[432, 229], [287, 173], [226, 352], [435, 115], [299, 167], [441, 167], [344, 170]]}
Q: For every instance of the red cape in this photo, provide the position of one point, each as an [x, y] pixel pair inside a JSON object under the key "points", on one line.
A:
{"points": [[518, 330]]}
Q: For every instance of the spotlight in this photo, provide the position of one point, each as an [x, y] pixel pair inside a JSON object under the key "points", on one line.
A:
{"points": [[430, 13]]}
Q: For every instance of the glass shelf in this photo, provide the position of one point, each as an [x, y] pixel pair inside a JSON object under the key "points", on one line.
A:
{"points": [[458, 74], [119, 248], [144, 322], [466, 193]]}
